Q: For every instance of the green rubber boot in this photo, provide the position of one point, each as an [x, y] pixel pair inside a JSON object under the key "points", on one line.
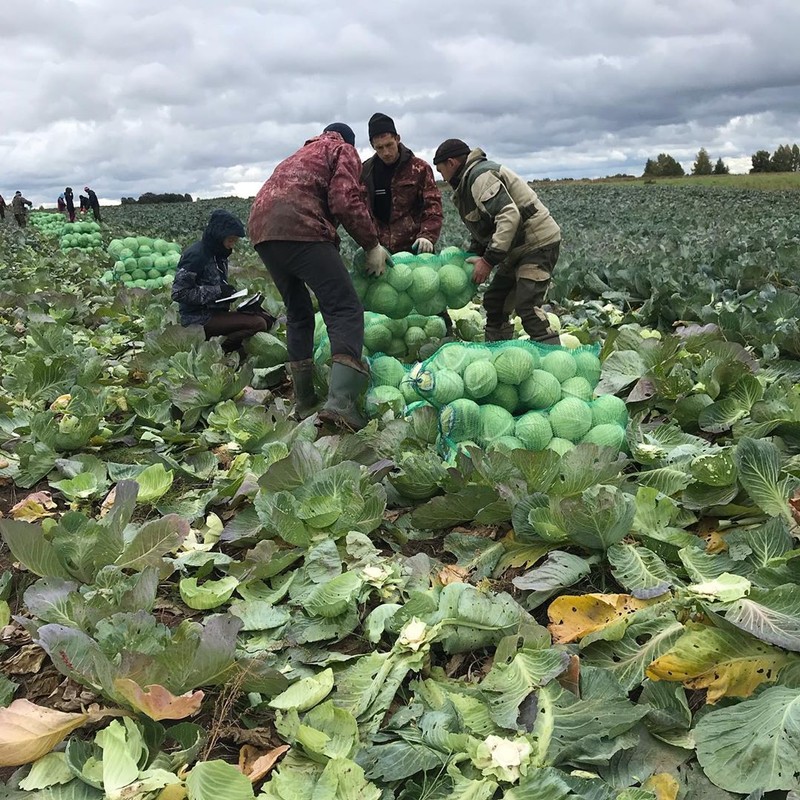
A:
{"points": [[305, 396], [345, 386]]}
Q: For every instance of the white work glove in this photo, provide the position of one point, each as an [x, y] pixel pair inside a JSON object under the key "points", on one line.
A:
{"points": [[422, 245], [376, 260]]}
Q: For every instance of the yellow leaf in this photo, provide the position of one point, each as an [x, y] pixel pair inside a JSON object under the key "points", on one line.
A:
{"points": [[34, 507], [663, 786], [28, 731], [257, 764], [574, 616], [157, 702], [727, 663]]}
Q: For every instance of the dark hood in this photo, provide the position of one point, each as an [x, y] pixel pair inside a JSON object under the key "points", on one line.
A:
{"points": [[221, 224]]}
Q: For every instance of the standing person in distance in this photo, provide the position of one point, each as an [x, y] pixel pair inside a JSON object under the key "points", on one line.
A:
{"points": [[512, 232], [18, 209], [94, 203], [292, 226], [405, 200], [70, 203], [2, 208], [201, 278]]}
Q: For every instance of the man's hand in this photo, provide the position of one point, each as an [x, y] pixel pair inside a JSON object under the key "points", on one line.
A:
{"points": [[376, 260], [481, 269], [422, 245]]}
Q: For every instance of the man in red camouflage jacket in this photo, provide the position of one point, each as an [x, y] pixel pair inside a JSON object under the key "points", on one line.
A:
{"points": [[292, 226], [405, 200]]}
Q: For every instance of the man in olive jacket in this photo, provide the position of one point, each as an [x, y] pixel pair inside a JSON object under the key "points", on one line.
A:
{"points": [[513, 234]]}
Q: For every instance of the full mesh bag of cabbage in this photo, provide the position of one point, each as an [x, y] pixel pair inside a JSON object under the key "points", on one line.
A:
{"points": [[425, 283]]}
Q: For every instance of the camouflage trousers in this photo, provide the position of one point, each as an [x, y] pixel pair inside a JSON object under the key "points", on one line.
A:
{"points": [[521, 286]]}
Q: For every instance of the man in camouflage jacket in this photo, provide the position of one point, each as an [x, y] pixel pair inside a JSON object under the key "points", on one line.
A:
{"points": [[512, 232], [292, 226], [405, 201], [18, 209]]}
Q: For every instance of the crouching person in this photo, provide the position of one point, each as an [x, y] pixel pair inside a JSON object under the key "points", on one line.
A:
{"points": [[201, 279], [292, 226]]}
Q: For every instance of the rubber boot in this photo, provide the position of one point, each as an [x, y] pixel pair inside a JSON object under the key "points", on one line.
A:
{"points": [[345, 387], [305, 396]]}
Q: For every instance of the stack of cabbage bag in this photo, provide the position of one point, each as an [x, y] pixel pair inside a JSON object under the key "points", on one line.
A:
{"points": [[81, 236], [518, 394], [425, 284], [143, 263]]}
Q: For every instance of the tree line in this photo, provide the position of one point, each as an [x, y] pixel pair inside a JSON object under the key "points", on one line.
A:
{"points": [[152, 197], [785, 159]]}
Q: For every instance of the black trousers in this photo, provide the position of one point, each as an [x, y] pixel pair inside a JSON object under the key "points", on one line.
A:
{"points": [[521, 287], [295, 268], [235, 327]]}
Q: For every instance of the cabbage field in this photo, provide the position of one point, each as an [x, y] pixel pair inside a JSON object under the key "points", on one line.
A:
{"points": [[200, 598]]}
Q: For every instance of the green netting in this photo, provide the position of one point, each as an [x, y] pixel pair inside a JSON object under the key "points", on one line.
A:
{"points": [[517, 375], [569, 422], [407, 339], [141, 261], [425, 284]]}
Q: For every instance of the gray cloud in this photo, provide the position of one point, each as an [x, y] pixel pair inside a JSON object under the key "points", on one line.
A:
{"points": [[204, 97]]}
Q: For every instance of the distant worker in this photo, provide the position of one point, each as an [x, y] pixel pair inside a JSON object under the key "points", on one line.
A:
{"points": [[94, 203], [61, 204], [70, 202], [18, 204], [2, 208], [512, 232], [201, 279], [84, 203], [292, 226]]}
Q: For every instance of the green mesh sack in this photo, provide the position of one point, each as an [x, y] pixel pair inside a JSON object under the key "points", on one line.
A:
{"points": [[533, 430], [540, 391], [386, 371], [577, 387], [438, 387], [608, 408], [560, 364], [414, 283], [480, 379], [496, 422], [460, 421], [571, 419], [607, 434], [505, 396]]}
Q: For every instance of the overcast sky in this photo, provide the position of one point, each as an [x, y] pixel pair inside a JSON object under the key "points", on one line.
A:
{"points": [[206, 97]]}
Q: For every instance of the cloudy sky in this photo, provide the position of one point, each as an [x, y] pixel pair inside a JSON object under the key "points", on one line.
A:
{"points": [[206, 97]]}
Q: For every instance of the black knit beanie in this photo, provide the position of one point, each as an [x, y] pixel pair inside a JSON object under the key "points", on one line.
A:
{"points": [[379, 124], [450, 148], [345, 131]]}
